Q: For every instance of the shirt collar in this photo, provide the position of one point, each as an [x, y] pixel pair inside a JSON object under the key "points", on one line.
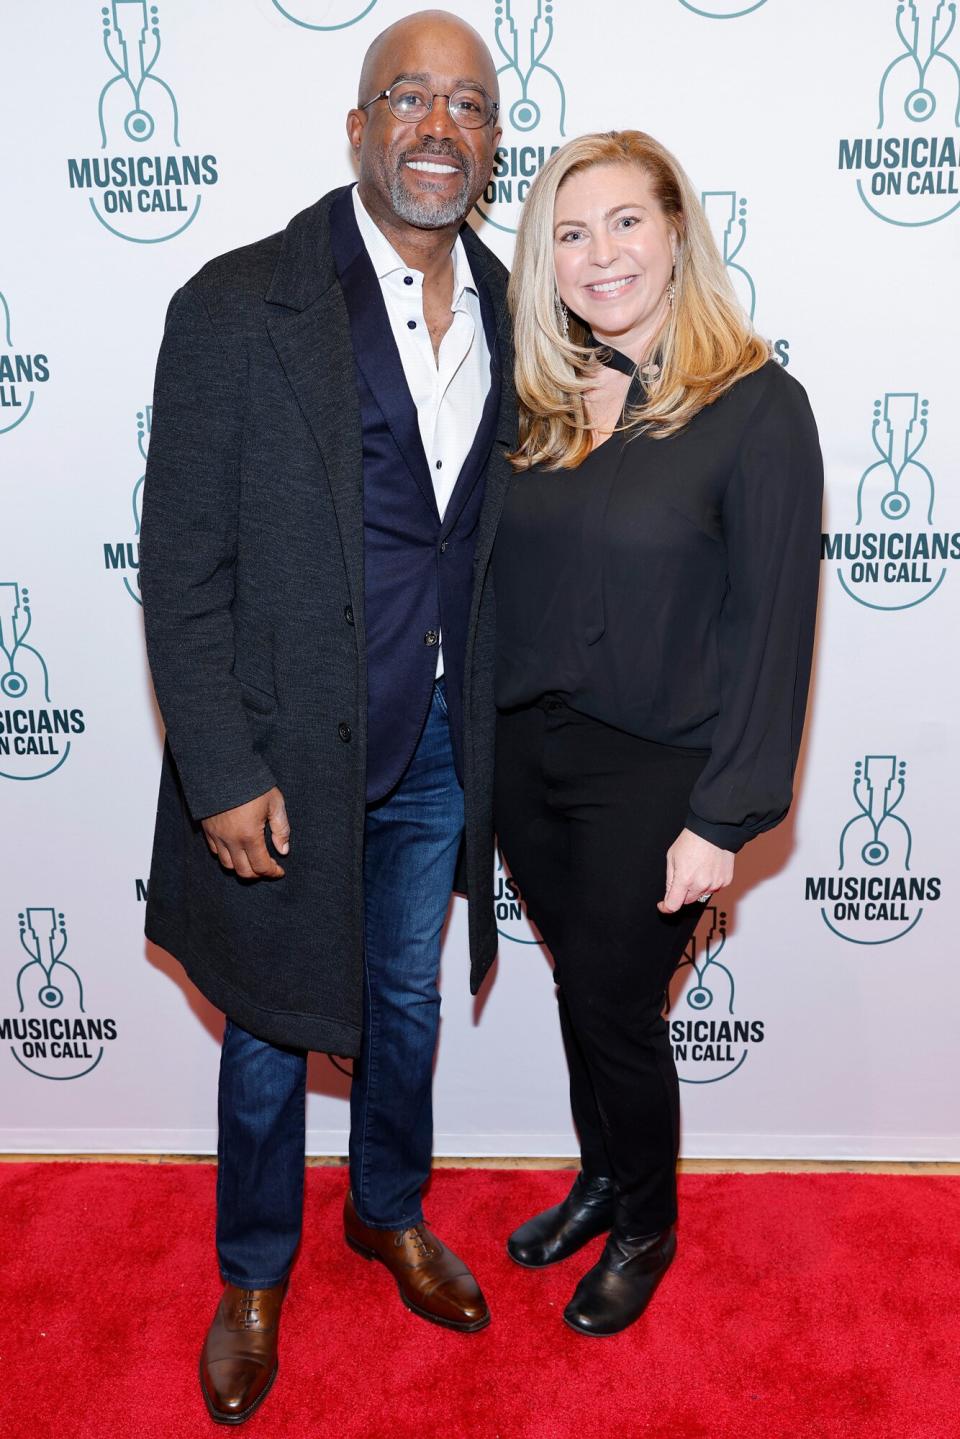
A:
{"points": [[386, 261]]}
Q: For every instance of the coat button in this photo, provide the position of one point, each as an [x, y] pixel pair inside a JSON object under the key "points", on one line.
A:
{"points": [[348, 614], [443, 546], [431, 637], [345, 732]]}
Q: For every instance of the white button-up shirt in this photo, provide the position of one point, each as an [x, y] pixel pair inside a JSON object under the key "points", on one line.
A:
{"points": [[449, 391]]}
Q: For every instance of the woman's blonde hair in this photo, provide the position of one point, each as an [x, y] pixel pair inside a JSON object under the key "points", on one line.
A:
{"points": [[705, 345]]}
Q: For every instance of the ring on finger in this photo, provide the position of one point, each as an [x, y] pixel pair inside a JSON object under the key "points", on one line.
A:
{"points": [[702, 898]]}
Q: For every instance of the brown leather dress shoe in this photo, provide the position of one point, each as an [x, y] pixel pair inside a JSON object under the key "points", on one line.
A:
{"points": [[432, 1281], [239, 1360]]}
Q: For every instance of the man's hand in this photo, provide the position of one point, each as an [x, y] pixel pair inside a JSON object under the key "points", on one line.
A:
{"points": [[236, 836], [695, 867]]}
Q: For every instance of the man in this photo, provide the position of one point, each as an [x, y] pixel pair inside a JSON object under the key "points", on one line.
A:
{"points": [[326, 470]]}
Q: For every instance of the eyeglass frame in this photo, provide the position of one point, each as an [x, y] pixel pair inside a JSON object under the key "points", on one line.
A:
{"points": [[434, 95]]}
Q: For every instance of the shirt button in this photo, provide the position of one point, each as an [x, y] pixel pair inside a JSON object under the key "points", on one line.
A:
{"points": [[439, 464], [348, 614], [408, 279], [431, 637], [411, 324], [345, 732]]}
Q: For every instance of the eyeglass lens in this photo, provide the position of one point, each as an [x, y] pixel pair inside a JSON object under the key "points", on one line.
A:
{"points": [[468, 108]]}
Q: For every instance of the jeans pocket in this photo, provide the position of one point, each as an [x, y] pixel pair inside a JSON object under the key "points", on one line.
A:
{"points": [[440, 693]]}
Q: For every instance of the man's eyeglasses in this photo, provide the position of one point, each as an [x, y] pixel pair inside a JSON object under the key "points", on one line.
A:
{"points": [[469, 108]]}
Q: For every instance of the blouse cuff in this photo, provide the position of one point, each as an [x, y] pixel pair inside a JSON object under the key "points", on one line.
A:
{"points": [[726, 836]]}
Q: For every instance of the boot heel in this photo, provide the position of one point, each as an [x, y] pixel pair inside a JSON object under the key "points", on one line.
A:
{"points": [[359, 1248]]}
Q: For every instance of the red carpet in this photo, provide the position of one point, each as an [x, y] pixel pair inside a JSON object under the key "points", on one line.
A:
{"points": [[798, 1305]]}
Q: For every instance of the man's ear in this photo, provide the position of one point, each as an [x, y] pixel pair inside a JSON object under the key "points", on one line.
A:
{"points": [[356, 121]]}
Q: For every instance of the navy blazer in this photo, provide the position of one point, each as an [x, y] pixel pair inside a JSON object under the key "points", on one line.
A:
{"points": [[418, 570]]}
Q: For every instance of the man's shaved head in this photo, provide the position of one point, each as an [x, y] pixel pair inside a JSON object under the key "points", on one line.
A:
{"points": [[425, 173], [434, 28]]}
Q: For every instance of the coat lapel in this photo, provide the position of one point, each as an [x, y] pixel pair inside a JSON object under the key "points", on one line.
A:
{"points": [[310, 332]]}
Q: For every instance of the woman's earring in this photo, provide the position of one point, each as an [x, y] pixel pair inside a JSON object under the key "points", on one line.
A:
{"points": [[563, 315], [671, 293]]}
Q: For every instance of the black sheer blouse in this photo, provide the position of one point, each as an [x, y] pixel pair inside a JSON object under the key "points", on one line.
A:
{"points": [[669, 588]]}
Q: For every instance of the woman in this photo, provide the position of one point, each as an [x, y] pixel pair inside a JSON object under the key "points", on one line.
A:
{"points": [[656, 575]]}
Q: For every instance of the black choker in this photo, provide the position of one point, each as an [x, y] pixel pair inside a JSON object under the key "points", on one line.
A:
{"points": [[617, 360]]}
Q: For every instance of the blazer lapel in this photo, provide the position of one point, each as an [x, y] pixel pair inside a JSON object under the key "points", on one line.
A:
{"points": [[479, 452], [500, 413], [374, 346]]}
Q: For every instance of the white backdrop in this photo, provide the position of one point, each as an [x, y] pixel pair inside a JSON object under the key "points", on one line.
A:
{"points": [[817, 1011]]}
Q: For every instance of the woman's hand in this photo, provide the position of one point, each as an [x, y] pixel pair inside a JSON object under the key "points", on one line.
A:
{"points": [[695, 867]]}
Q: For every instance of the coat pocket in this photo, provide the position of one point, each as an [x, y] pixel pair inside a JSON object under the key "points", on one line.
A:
{"points": [[256, 697]]}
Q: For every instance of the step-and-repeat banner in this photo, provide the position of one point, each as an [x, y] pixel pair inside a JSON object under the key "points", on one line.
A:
{"points": [[815, 1011]]}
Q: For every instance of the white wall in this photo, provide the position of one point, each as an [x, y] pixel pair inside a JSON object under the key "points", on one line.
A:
{"points": [[850, 1047]]}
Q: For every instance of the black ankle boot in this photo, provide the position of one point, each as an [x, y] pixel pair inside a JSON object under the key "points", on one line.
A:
{"points": [[559, 1232], [618, 1288]]}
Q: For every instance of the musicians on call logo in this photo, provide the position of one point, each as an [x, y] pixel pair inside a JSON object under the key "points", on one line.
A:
{"points": [[875, 894], [20, 374], [122, 556], [726, 211], [52, 1032], [710, 1038], [907, 168], [142, 186], [533, 107], [35, 735], [895, 556]]}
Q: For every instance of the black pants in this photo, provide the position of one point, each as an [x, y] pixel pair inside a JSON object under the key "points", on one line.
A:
{"points": [[585, 815]]}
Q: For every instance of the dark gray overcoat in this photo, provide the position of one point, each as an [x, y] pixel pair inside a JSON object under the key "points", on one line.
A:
{"points": [[251, 569]]}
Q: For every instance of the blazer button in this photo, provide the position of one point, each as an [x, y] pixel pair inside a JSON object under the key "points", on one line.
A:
{"points": [[348, 614], [431, 637], [345, 732], [443, 546]]}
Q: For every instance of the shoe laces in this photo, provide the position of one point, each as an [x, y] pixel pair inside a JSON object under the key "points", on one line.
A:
{"points": [[417, 1238], [248, 1306]]}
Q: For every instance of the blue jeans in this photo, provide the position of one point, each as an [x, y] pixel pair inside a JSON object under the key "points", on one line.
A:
{"points": [[410, 852]]}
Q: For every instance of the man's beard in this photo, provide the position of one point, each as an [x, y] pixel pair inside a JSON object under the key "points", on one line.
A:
{"points": [[427, 211]]}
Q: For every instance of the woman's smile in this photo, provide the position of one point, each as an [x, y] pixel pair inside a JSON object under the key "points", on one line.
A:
{"points": [[610, 289]]}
